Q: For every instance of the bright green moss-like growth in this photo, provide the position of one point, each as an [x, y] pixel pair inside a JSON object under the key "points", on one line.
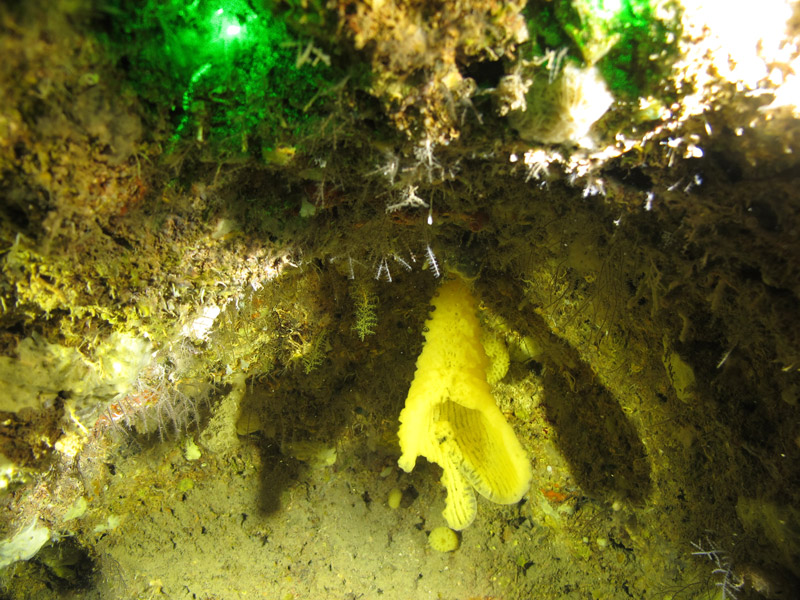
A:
{"points": [[229, 73], [632, 42], [645, 49]]}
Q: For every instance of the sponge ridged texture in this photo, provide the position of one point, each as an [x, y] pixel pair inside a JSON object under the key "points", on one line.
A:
{"points": [[451, 418]]}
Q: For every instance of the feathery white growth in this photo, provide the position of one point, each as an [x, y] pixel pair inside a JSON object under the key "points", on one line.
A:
{"points": [[408, 199], [554, 61], [383, 267], [424, 155], [389, 169], [432, 261], [728, 583], [537, 163], [350, 272], [405, 264]]}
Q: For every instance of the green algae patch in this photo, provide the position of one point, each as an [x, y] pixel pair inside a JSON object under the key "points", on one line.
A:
{"points": [[632, 42], [185, 484], [228, 73]]}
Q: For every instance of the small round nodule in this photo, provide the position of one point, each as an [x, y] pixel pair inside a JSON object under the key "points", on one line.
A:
{"points": [[443, 539], [395, 496]]}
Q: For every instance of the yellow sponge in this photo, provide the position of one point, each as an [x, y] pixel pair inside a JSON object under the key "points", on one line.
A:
{"points": [[451, 419], [498, 358], [444, 539]]}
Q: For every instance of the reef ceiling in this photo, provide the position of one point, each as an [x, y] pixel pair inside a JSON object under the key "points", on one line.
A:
{"points": [[201, 199]]}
